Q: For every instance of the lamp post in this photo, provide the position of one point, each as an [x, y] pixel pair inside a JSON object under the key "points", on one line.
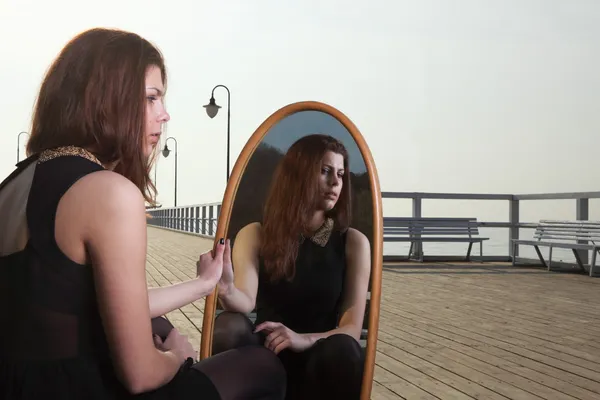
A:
{"points": [[212, 109], [155, 175], [19, 143], [166, 153]]}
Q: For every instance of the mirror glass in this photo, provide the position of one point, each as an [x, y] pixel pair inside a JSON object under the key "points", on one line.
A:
{"points": [[256, 179]]}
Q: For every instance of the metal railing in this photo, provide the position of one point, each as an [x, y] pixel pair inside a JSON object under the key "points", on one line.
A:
{"points": [[202, 219], [514, 224]]}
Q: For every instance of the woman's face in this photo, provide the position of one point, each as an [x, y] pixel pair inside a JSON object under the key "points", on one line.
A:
{"points": [[156, 114], [330, 180]]}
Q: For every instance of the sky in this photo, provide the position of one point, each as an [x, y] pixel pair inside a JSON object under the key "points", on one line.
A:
{"points": [[454, 96]]}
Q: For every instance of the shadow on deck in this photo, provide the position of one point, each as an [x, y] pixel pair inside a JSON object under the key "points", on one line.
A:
{"points": [[453, 330]]}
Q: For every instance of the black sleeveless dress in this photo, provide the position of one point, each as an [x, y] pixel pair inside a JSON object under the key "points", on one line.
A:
{"points": [[311, 301], [52, 342]]}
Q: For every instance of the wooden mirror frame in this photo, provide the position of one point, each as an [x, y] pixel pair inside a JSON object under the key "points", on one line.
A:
{"points": [[376, 245]]}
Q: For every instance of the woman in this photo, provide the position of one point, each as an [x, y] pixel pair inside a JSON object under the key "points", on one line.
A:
{"points": [[306, 273], [74, 307]]}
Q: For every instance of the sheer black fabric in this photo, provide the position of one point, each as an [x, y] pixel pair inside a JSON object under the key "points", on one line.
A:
{"points": [[245, 373], [331, 369], [233, 330], [52, 341]]}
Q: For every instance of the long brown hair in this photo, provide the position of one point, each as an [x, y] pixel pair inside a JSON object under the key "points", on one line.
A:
{"points": [[93, 96], [290, 203]]}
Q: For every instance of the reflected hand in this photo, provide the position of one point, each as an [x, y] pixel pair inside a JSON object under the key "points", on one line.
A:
{"points": [[226, 280], [281, 337]]}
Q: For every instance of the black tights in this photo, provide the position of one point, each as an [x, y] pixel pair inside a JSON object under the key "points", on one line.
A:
{"points": [[331, 369], [253, 372]]}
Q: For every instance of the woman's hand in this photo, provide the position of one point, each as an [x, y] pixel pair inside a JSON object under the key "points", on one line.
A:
{"points": [[226, 281], [176, 343], [281, 337], [208, 268]]}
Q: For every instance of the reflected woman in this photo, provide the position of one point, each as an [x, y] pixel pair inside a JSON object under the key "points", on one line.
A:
{"points": [[75, 310], [306, 273]]}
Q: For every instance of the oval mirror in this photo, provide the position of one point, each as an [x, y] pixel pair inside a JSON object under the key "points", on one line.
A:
{"points": [[250, 182]]}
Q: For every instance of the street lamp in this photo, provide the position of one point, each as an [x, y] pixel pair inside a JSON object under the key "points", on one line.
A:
{"points": [[19, 144], [166, 153], [212, 109]]}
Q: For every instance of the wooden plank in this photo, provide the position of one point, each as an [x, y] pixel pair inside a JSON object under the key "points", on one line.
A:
{"points": [[456, 331], [420, 380], [468, 338], [395, 384], [422, 361], [470, 316], [380, 392], [506, 378]]}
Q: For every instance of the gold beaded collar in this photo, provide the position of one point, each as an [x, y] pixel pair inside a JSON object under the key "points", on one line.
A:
{"points": [[322, 235], [50, 154]]}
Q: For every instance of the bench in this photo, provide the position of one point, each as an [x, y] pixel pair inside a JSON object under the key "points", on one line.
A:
{"points": [[419, 230], [564, 235]]}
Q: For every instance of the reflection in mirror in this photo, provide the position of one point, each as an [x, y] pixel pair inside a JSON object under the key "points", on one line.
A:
{"points": [[256, 179], [311, 301]]}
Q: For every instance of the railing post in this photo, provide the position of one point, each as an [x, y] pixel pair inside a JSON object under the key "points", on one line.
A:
{"points": [[186, 226], [210, 220], [582, 214], [197, 219], [513, 231], [416, 213]]}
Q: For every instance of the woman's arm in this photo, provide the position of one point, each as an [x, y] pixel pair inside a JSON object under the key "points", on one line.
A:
{"points": [[115, 237], [358, 265], [168, 298], [240, 294]]}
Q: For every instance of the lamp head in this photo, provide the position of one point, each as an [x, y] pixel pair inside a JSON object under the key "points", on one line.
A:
{"points": [[166, 151], [212, 108]]}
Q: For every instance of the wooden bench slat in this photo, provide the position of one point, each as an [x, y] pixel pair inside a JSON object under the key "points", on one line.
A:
{"points": [[573, 231], [445, 225], [557, 244], [432, 229], [565, 235], [570, 229], [569, 222], [433, 239]]}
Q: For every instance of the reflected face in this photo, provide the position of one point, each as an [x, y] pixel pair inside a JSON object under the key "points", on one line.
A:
{"points": [[330, 180], [156, 113]]}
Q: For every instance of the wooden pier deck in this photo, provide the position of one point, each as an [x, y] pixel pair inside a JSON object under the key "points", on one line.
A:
{"points": [[452, 331]]}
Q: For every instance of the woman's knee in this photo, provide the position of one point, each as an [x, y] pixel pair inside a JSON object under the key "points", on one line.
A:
{"points": [[231, 330], [231, 317], [337, 358], [335, 351], [249, 372]]}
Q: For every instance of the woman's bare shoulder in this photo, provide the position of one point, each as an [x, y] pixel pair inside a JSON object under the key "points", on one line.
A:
{"points": [[357, 242], [252, 229], [108, 189]]}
